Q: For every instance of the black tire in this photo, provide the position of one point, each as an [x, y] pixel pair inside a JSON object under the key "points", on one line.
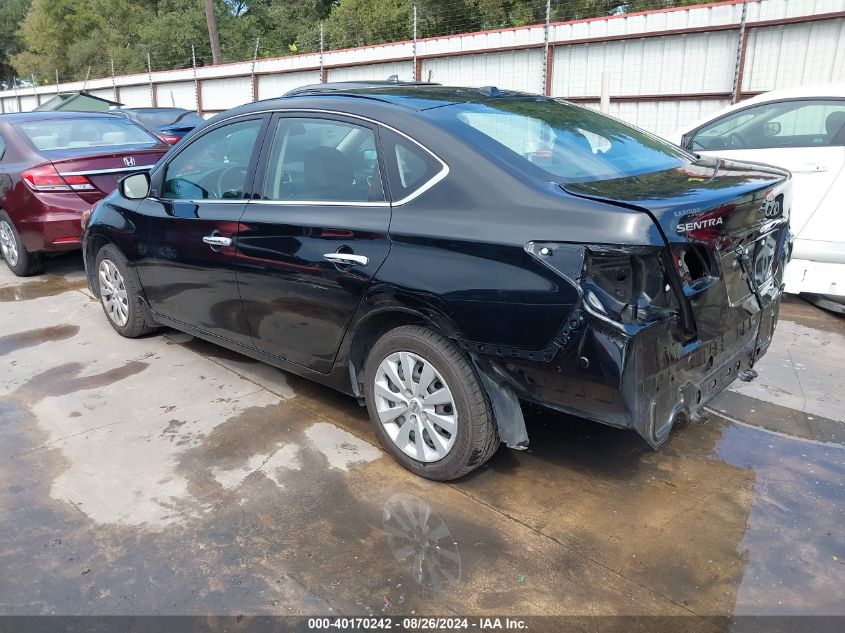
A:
{"points": [[27, 264], [136, 323], [477, 437]]}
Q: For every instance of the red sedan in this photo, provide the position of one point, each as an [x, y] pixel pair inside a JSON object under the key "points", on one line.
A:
{"points": [[53, 167]]}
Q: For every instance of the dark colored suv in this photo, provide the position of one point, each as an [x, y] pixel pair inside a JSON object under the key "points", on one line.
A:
{"points": [[445, 253]]}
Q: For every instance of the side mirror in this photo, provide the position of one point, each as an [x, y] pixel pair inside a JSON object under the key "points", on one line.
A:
{"points": [[771, 128], [135, 187]]}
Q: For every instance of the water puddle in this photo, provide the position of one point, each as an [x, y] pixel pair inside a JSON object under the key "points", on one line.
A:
{"points": [[793, 544], [45, 287], [31, 338]]}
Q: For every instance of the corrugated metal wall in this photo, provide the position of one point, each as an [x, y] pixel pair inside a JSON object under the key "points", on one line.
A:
{"points": [[514, 70], [270, 86], [177, 94], [796, 54], [665, 68], [403, 70], [136, 96]]}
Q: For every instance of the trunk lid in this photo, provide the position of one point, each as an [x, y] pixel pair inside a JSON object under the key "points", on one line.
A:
{"points": [[709, 200], [102, 168], [726, 226]]}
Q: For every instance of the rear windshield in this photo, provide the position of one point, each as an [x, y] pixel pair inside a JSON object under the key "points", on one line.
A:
{"points": [[570, 143], [168, 117], [57, 134]]}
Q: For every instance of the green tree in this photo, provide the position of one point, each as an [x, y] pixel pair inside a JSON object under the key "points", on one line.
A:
{"points": [[12, 13]]}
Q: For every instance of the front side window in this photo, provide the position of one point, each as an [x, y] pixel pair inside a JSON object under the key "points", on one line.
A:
{"points": [[322, 160], [215, 165], [2, 147], [570, 143], [801, 123], [64, 133]]}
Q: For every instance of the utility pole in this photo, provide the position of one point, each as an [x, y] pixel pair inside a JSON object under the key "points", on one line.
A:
{"points": [[213, 37]]}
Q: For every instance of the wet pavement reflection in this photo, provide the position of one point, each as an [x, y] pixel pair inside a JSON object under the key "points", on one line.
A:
{"points": [[419, 537], [793, 544]]}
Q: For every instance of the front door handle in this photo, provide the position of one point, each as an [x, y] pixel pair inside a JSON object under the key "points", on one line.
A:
{"points": [[346, 259], [217, 240]]}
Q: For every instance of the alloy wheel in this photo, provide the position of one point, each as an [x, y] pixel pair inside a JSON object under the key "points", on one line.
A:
{"points": [[8, 244], [415, 406], [113, 293]]}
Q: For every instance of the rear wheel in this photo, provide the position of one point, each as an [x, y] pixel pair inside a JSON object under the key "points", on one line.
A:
{"points": [[18, 259], [428, 406], [120, 294]]}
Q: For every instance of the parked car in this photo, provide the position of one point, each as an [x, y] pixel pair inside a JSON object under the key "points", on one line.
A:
{"points": [[169, 124], [801, 129], [443, 253], [53, 167]]}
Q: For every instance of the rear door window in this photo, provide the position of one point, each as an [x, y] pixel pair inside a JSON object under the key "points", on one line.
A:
{"points": [[782, 124], [322, 160]]}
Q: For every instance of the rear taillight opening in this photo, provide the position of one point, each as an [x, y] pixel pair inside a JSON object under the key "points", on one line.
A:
{"points": [[170, 139], [628, 284], [623, 284], [696, 264], [45, 178]]}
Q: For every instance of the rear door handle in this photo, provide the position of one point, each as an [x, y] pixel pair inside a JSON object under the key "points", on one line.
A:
{"points": [[217, 240], [346, 259]]}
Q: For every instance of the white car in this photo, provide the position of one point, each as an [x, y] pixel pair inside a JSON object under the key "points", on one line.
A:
{"points": [[801, 129]]}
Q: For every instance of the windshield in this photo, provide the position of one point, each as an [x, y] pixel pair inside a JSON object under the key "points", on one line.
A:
{"points": [[570, 143], [58, 134]]}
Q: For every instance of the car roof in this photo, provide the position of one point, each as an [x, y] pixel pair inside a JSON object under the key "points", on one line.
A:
{"points": [[410, 96], [18, 117]]}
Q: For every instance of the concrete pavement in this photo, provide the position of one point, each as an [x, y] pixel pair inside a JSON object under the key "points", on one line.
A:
{"points": [[168, 476]]}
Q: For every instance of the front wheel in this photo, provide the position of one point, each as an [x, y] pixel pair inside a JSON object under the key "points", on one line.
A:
{"points": [[427, 404], [120, 294]]}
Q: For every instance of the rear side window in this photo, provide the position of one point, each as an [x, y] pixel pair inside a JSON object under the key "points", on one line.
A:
{"points": [[2, 147], [798, 123], [409, 166], [158, 118], [570, 143], [59, 134]]}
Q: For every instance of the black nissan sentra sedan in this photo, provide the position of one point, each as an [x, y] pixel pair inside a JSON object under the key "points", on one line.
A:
{"points": [[442, 254]]}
